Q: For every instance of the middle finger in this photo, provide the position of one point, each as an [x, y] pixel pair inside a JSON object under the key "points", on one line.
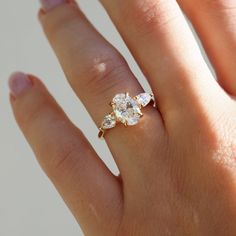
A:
{"points": [[162, 43]]}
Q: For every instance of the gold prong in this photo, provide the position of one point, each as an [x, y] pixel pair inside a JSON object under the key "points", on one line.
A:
{"points": [[141, 114], [111, 104], [153, 102], [127, 94]]}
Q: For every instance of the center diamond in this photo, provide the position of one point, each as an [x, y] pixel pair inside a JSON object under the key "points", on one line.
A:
{"points": [[126, 109]]}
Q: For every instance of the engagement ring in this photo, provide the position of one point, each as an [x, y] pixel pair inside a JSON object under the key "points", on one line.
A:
{"points": [[126, 110]]}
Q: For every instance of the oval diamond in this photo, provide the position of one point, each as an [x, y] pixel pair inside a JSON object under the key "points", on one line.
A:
{"points": [[143, 99], [126, 109], [109, 122], [119, 98]]}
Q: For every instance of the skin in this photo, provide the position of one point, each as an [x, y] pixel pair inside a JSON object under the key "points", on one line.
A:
{"points": [[177, 166]]}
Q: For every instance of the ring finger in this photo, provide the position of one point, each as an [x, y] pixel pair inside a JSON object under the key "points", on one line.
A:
{"points": [[96, 72]]}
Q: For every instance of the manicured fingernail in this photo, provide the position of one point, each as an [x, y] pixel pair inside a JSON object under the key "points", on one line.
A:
{"points": [[18, 83], [47, 5]]}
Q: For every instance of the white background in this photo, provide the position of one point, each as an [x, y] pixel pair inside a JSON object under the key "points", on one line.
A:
{"points": [[29, 204]]}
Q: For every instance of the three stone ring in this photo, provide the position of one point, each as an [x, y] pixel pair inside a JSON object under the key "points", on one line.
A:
{"points": [[126, 110]]}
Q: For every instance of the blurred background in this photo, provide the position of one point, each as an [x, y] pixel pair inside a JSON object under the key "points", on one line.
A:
{"points": [[29, 204]]}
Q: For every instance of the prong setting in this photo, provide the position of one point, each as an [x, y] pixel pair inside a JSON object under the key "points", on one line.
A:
{"points": [[126, 110], [111, 104], [141, 114]]}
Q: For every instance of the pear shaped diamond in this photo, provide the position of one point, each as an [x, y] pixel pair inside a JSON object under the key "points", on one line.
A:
{"points": [[109, 122], [144, 99]]}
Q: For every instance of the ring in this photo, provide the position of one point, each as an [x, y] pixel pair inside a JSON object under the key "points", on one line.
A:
{"points": [[126, 110]]}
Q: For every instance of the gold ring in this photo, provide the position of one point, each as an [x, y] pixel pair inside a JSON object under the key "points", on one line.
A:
{"points": [[126, 110]]}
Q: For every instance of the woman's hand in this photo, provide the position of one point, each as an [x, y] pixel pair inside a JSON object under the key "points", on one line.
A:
{"points": [[177, 166]]}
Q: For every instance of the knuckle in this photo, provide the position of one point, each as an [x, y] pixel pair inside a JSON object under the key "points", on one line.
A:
{"points": [[225, 136], [220, 4], [217, 8], [101, 73], [63, 160], [57, 152], [151, 15], [215, 135]]}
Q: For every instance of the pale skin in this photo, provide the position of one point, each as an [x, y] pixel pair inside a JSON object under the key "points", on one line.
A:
{"points": [[177, 166]]}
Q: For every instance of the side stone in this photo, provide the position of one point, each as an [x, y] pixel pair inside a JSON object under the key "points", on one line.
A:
{"points": [[109, 122], [144, 99]]}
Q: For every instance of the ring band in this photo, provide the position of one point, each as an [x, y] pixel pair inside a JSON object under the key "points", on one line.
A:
{"points": [[126, 110]]}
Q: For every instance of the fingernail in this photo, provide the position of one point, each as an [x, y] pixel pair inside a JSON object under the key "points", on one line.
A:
{"points": [[19, 83], [47, 5]]}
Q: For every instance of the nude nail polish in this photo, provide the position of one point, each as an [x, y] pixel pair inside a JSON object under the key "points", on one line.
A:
{"points": [[19, 83], [48, 5]]}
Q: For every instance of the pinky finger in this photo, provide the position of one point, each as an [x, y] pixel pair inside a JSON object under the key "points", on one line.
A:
{"points": [[65, 155]]}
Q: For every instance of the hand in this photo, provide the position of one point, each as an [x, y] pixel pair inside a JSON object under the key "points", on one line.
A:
{"points": [[177, 166]]}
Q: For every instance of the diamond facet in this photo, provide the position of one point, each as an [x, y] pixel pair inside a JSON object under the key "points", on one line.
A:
{"points": [[144, 99], [126, 109], [109, 122]]}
